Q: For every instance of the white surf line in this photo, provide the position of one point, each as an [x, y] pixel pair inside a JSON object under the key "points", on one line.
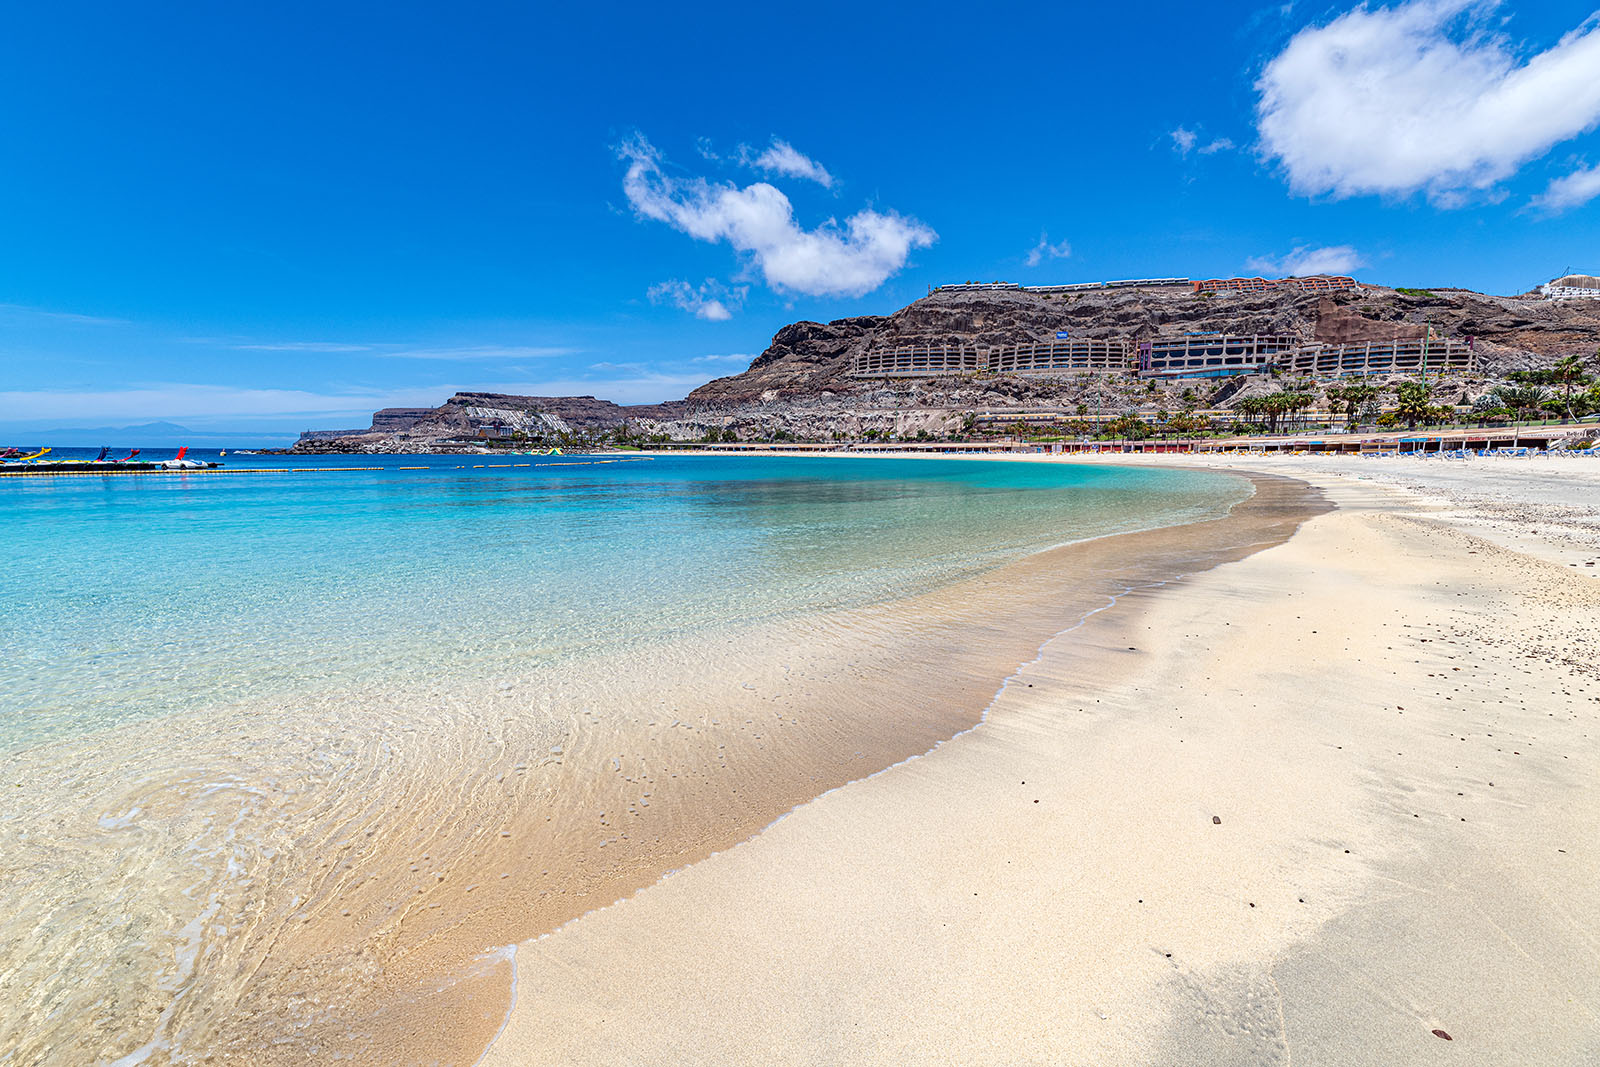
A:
{"points": [[509, 954]]}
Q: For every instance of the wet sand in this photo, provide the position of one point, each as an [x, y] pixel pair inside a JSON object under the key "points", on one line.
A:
{"points": [[1331, 802]]}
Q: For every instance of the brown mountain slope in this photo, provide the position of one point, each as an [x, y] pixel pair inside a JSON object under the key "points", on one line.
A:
{"points": [[801, 384]]}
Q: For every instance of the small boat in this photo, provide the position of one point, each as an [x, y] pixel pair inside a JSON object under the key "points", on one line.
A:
{"points": [[178, 463]]}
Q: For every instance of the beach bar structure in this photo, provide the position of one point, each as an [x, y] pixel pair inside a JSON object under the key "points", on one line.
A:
{"points": [[1502, 439], [1416, 356], [1512, 440]]}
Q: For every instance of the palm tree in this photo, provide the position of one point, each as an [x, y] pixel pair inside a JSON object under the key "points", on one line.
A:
{"points": [[1336, 398], [1300, 401], [1589, 399], [1273, 408], [1522, 399], [1352, 397], [1252, 407], [1569, 372], [1277, 405], [1411, 403]]}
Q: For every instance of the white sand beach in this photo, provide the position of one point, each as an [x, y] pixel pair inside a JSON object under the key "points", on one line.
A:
{"points": [[1326, 804]]}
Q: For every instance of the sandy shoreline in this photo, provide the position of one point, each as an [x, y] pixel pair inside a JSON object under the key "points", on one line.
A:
{"points": [[355, 878], [1056, 886], [869, 707]]}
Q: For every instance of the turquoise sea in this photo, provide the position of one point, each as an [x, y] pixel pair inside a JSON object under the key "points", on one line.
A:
{"points": [[130, 597], [204, 676]]}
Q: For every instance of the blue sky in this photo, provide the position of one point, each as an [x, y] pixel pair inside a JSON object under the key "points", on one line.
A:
{"points": [[275, 218]]}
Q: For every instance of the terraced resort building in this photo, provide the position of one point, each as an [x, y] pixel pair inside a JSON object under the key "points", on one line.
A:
{"points": [[1189, 355]]}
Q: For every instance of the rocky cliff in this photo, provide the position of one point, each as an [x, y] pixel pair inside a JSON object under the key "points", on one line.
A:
{"points": [[800, 385]]}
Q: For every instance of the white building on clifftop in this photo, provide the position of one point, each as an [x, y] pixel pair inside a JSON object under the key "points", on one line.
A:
{"points": [[1572, 287]]}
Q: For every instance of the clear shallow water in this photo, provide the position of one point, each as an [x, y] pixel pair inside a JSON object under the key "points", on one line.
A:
{"points": [[135, 597], [366, 713]]}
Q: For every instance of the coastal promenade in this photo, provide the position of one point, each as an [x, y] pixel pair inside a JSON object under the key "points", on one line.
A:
{"points": [[1536, 436], [1330, 803]]}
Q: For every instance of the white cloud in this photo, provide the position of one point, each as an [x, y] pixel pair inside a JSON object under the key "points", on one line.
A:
{"points": [[735, 357], [1185, 140], [1573, 190], [710, 300], [783, 158], [1420, 96], [1045, 250], [758, 222], [1303, 261]]}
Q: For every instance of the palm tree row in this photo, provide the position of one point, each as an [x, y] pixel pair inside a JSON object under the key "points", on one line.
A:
{"points": [[1526, 399], [1352, 398], [1272, 408]]}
